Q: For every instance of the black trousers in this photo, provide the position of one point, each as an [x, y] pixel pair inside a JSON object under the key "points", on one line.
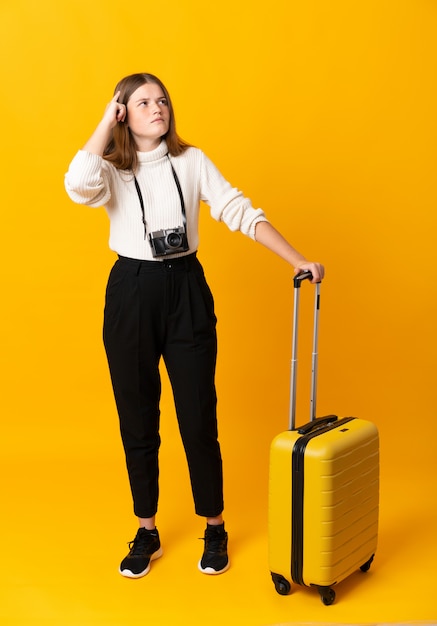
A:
{"points": [[165, 309]]}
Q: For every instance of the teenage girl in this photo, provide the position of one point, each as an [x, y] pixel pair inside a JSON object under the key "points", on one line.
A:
{"points": [[158, 303]]}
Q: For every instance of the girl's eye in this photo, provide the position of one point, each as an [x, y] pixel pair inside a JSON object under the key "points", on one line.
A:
{"points": [[161, 101]]}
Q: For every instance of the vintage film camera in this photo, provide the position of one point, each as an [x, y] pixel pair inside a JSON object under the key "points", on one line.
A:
{"points": [[169, 241]]}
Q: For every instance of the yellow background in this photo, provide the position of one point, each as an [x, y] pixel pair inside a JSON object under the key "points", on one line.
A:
{"points": [[324, 114]]}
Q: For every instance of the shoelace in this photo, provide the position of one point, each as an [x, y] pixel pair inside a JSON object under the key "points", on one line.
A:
{"points": [[138, 546], [214, 543]]}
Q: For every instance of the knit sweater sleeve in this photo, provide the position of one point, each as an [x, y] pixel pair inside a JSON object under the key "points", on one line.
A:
{"points": [[227, 203], [87, 179]]}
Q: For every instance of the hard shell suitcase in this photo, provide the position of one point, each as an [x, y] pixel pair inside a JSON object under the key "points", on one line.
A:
{"points": [[323, 490]]}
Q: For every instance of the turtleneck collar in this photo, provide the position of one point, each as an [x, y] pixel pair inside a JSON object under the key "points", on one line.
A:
{"points": [[153, 155]]}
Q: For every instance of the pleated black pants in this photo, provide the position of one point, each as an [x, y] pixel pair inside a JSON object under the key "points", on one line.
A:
{"points": [[165, 309]]}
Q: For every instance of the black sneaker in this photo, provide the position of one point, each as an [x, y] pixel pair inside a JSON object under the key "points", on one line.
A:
{"points": [[215, 556], [144, 548]]}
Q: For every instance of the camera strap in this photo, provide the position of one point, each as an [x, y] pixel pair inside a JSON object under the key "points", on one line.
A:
{"points": [[179, 188]]}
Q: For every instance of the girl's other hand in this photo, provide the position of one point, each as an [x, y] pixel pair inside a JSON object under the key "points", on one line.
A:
{"points": [[316, 269]]}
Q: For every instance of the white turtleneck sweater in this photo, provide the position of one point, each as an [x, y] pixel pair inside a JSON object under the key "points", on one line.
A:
{"points": [[93, 181]]}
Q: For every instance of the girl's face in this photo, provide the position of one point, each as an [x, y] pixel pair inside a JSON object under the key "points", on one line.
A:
{"points": [[148, 116]]}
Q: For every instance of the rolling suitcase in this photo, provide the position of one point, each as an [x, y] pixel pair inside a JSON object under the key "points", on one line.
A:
{"points": [[323, 490]]}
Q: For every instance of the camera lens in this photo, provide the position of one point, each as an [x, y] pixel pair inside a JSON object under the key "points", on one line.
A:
{"points": [[174, 240]]}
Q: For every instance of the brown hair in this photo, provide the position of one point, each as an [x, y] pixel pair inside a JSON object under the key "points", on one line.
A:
{"points": [[121, 149]]}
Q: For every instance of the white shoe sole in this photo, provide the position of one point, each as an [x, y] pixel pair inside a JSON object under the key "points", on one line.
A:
{"points": [[211, 571]]}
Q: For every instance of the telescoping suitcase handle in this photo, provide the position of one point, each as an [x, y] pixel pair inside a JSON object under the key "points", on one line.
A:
{"points": [[298, 280]]}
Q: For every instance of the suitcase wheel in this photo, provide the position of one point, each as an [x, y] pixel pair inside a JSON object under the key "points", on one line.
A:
{"points": [[282, 585], [327, 595], [366, 566]]}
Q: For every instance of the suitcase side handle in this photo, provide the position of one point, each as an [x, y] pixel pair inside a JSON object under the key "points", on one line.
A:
{"points": [[317, 423]]}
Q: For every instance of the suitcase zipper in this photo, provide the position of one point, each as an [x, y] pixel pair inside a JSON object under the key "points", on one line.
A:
{"points": [[297, 496]]}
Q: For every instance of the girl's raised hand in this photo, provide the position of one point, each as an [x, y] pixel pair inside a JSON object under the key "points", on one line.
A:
{"points": [[115, 111]]}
